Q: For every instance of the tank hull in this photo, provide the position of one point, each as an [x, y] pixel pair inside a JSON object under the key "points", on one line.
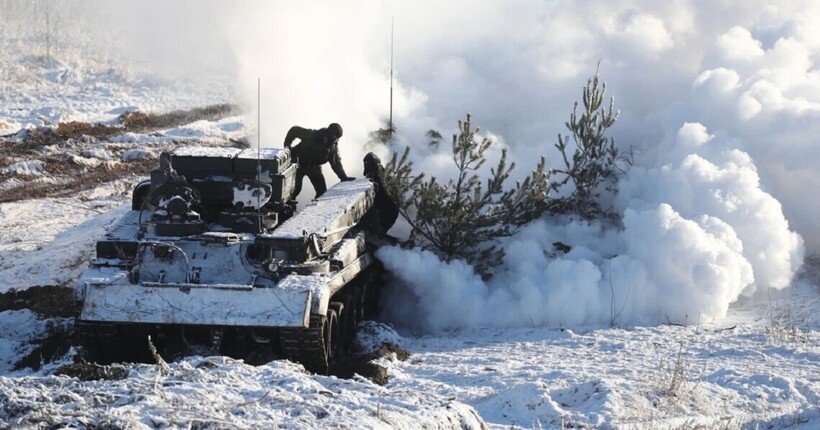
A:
{"points": [[193, 269]]}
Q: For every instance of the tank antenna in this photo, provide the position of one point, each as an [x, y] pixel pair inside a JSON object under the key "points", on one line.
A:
{"points": [[390, 123], [258, 143]]}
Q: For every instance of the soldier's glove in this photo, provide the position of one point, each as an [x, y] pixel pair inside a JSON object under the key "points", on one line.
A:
{"points": [[349, 178]]}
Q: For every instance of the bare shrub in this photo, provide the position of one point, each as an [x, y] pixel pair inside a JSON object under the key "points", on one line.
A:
{"points": [[720, 423], [785, 327], [676, 374], [677, 377]]}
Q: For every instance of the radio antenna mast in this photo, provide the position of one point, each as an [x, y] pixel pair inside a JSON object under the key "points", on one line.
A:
{"points": [[258, 146], [390, 124]]}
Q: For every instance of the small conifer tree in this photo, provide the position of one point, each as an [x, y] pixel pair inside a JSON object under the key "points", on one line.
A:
{"points": [[434, 138], [383, 135], [592, 167], [463, 218]]}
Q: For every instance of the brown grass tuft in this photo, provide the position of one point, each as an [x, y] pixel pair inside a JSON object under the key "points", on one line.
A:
{"points": [[140, 122], [137, 122], [76, 129], [79, 180]]}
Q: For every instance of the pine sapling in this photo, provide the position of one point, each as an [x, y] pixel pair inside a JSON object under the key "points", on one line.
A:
{"points": [[463, 218], [592, 165]]}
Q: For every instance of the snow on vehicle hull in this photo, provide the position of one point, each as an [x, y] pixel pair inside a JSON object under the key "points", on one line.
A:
{"points": [[192, 263], [193, 304]]}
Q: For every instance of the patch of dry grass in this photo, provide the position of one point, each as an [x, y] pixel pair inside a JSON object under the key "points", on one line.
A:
{"points": [[141, 122], [75, 178], [135, 122]]}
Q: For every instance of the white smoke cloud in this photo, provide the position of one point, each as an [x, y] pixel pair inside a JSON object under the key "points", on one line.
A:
{"points": [[709, 209], [318, 63]]}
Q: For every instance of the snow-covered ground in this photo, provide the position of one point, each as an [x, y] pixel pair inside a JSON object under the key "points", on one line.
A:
{"points": [[217, 392], [750, 373], [35, 91], [758, 367], [49, 241]]}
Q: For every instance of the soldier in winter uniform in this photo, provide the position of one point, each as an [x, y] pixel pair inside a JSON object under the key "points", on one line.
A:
{"points": [[315, 148], [385, 211]]}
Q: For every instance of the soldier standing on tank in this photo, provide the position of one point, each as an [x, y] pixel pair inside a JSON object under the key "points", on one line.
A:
{"points": [[315, 148]]}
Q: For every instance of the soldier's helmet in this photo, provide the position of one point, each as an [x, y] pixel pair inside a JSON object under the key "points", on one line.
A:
{"points": [[335, 130], [372, 166]]}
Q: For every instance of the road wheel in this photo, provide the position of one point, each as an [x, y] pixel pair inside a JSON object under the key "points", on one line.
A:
{"points": [[331, 335], [349, 326]]}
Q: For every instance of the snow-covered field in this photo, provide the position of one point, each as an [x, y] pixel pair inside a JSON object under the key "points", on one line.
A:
{"points": [[760, 368], [472, 363], [217, 392], [744, 374]]}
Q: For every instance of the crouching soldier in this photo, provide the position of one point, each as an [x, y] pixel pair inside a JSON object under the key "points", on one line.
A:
{"points": [[315, 148], [384, 212]]}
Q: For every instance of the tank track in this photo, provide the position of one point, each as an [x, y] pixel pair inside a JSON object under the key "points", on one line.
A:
{"points": [[109, 343], [101, 343], [306, 346]]}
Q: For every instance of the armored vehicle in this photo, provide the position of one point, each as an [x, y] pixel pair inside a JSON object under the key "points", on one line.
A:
{"points": [[213, 258]]}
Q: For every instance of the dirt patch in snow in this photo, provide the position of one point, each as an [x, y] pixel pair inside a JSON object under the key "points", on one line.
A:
{"points": [[45, 136], [73, 160], [387, 349], [364, 364], [49, 301], [56, 305], [74, 178], [130, 122], [141, 122], [93, 372]]}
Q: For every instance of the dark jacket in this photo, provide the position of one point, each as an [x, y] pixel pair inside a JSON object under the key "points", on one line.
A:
{"points": [[314, 149]]}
